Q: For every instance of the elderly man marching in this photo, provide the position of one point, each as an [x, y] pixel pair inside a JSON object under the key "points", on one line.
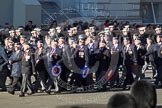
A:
{"points": [[27, 67], [15, 62]]}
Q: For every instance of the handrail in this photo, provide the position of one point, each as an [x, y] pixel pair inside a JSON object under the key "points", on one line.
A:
{"points": [[153, 11], [48, 14], [61, 11]]}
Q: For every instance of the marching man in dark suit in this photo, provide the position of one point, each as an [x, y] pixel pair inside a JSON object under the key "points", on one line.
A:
{"points": [[116, 59], [54, 54], [158, 58], [40, 66], [106, 39], [64, 62], [141, 51], [92, 48], [143, 35], [157, 32], [81, 60], [129, 60], [3, 62], [150, 56], [27, 67], [104, 62], [15, 62]]}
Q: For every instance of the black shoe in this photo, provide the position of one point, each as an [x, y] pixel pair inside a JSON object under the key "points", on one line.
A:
{"points": [[41, 91], [142, 76], [30, 93], [3, 89], [57, 92], [11, 92], [157, 86], [48, 92], [21, 95], [103, 89], [124, 87]]}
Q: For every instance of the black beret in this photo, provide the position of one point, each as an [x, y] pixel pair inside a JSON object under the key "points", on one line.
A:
{"points": [[115, 38], [39, 41], [149, 37], [82, 39], [54, 40], [17, 44], [10, 39], [22, 36], [75, 42], [127, 38], [138, 38], [28, 43], [160, 35], [136, 34], [6, 38], [61, 37]]}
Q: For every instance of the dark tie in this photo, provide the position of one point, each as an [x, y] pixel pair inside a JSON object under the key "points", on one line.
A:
{"points": [[125, 49]]}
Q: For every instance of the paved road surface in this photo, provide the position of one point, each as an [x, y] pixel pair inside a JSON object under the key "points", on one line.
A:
{"points": [[43, 100]]}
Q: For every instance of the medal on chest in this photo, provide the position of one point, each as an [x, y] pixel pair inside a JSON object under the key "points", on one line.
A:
{"points": [[56, 56], [161, 52], [81, 54], [104, 57], [27, 57], [130, 52]]}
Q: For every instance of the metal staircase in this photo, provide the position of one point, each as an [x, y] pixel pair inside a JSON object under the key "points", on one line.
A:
{"points": [[51, 11]]}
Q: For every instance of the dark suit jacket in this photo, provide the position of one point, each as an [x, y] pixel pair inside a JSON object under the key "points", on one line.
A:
{"points": [[66, 59], [112, 35], [130, 56], [150, 55], [55, 57], [83, 60], [141, 55], [117, 54], [159, 55], [40, 66], [156, 48], [16, 64], [104, 59], [143, 38], [27, 65], [92, 55]]}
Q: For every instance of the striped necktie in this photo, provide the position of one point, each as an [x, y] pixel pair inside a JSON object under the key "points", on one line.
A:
{"points": [[53, 51]]}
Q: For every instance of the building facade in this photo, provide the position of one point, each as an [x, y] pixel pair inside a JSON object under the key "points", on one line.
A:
{"points": [[146, 11], [18, 12]]}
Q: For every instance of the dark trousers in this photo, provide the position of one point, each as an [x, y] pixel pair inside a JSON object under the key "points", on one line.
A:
{"points": [[129, 77], [41, 80], [50, 83], [26, 83], [159, 75], [99, 75], [78, 81], [139, 73], [64, 73], [3, 76], [15, 83]]}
